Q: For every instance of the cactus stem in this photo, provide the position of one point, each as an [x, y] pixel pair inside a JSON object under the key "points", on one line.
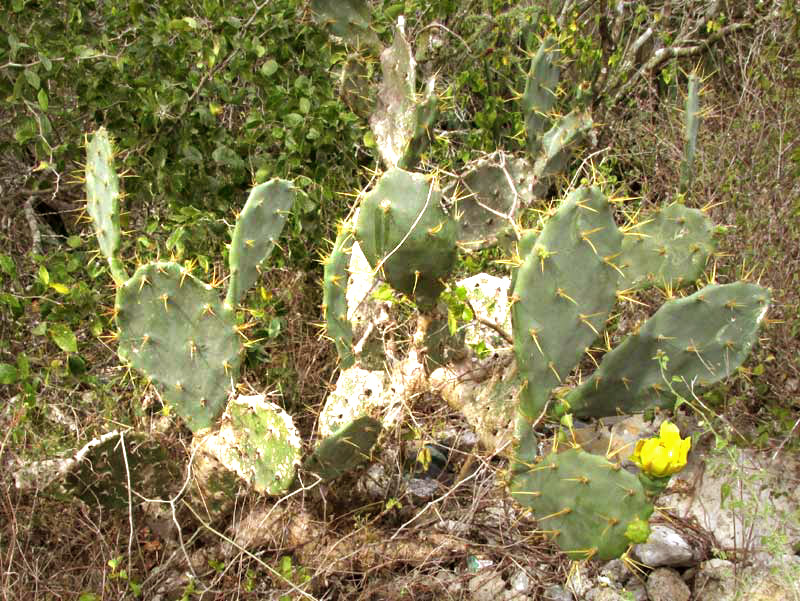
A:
{"points": [[165, 297]]}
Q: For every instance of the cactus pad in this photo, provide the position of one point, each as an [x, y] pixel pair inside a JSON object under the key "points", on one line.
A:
{"points": [[559, 141], [563, 294], [345, 449], [258, 441], [691, 125], [176, 330], [100, 471], [403, 230], [593, 508], [334, 298], [102, 200], [492, 193], [670, 249], [688, 343], [540, 92], [258, 227]]}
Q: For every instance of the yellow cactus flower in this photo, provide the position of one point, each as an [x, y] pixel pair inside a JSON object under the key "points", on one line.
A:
{"points": [[662, 456]]}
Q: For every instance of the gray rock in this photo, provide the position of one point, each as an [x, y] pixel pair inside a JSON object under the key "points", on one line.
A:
{"points": [[486, 586], [615, 572], [557, 593], [665, 547], [665, 584], [521, 583]]}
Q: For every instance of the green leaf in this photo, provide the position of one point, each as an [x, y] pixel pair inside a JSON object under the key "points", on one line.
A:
{"points": [[44, 275], [46, 62], [7, 265], [64, 337], [42, 98], [60, 288], [274, 328], [74, 241], [305, 106], [76, 365], [8, 374], [269, 68], [33, 78], [23, 366]]}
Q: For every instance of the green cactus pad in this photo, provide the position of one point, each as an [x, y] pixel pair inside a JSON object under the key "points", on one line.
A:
{"points": [[102, 200], [691, 125], [176, 330], [402, 228], [425, 114], [559, 142], [258, 227], [539, 97], [669, 248], [260, 444], [523, 247], [348, 447], [687, 344], [491, 195], [563, 294], [334, 298], [100, 472], [589, 504]]}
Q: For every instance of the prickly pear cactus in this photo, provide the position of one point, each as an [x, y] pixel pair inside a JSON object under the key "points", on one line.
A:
{"points": [[669, 248], [489, 196], [687, 344], [563, 294], [176, 330], [258, 441], [691, 126], [406, 235], [346, 448], [258, 227], [591, 507], [102, 200], [539, 98], [559, 142], [172, 326], [334, 299]]}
